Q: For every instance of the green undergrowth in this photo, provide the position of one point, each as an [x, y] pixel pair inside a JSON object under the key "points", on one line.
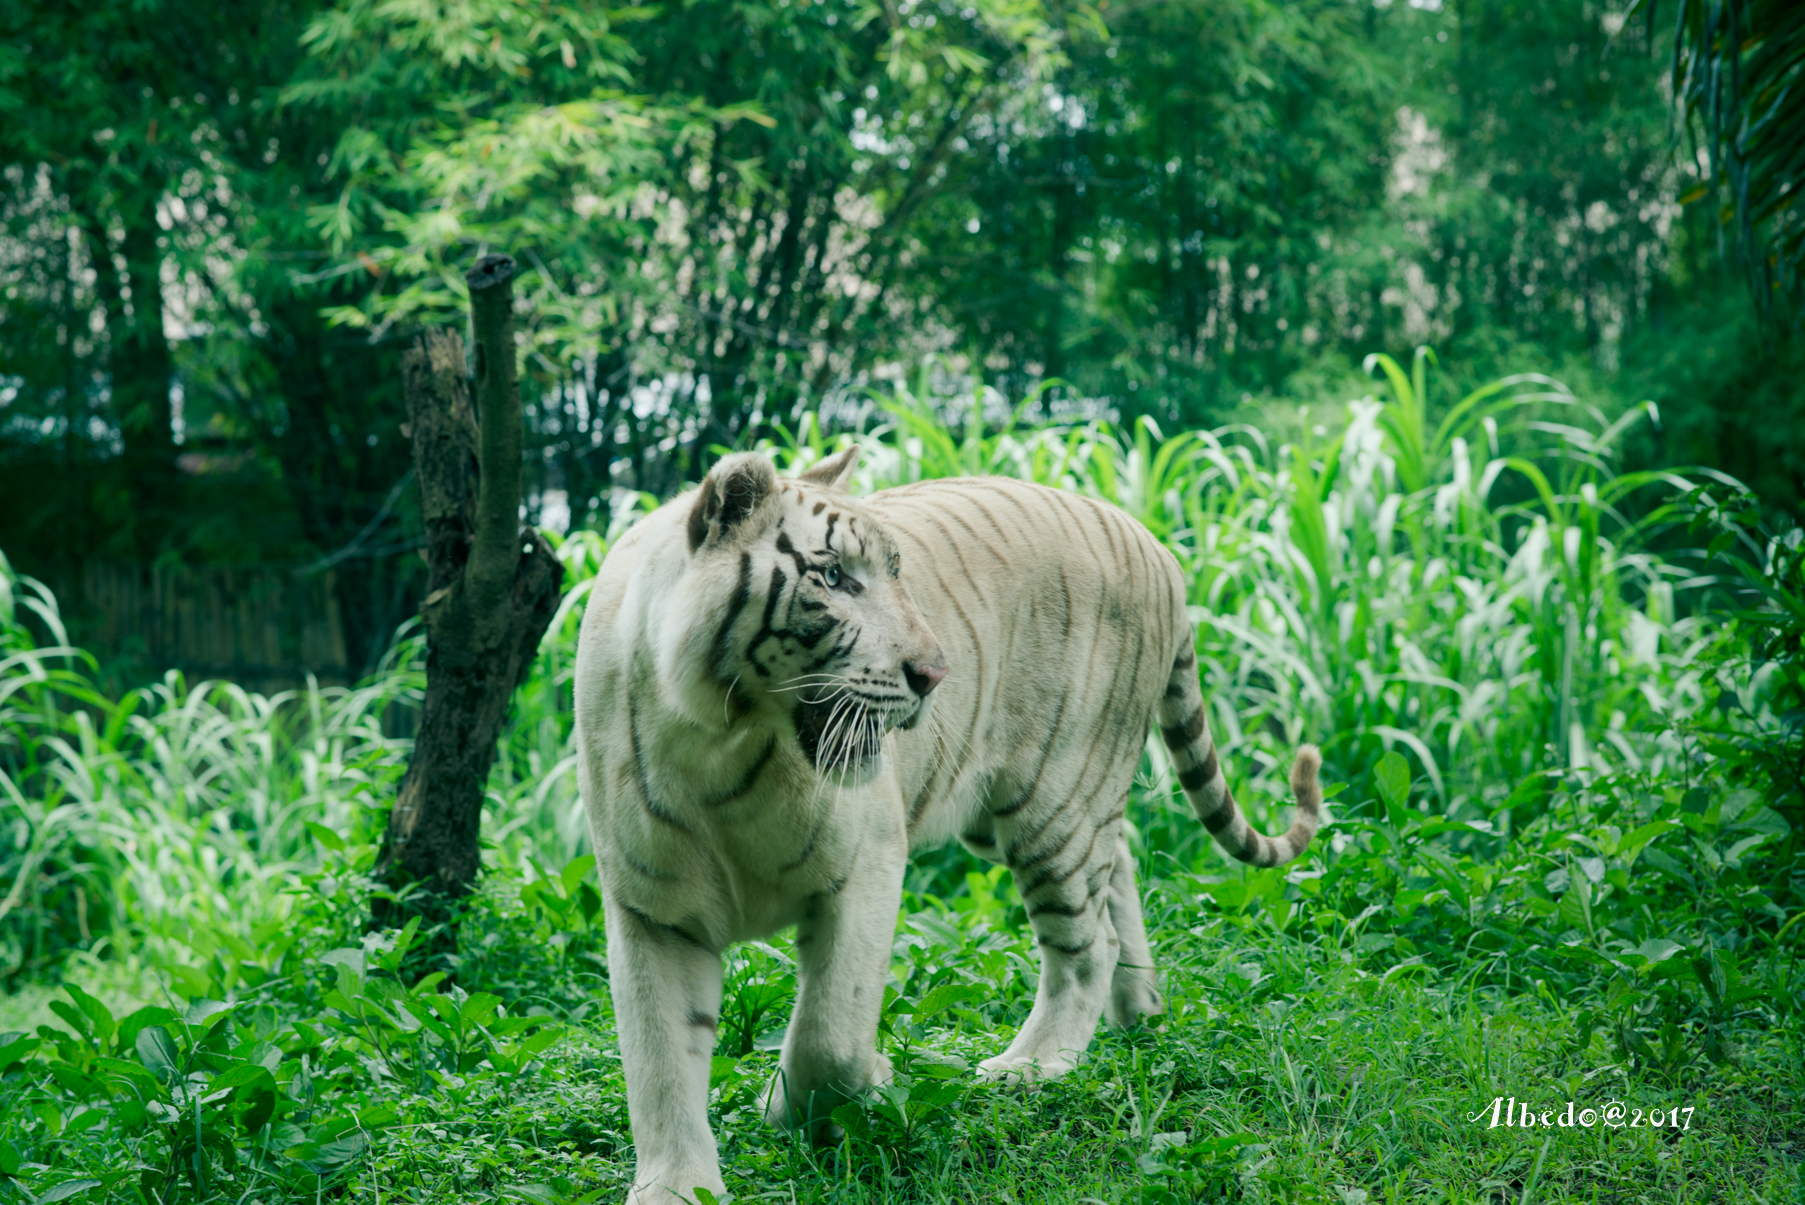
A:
{"points": [[1305, 1056], [1561, 709]]}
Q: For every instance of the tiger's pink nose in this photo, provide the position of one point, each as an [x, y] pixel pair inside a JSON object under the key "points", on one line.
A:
{"points": [[923, 678]]}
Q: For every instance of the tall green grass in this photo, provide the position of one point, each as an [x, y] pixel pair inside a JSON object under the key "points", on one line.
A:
{"points": [[1559, 860], [144, 827], [1478, 594]]}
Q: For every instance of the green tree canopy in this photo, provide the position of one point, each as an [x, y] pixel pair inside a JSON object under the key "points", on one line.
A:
{"points": [[219, 221]]}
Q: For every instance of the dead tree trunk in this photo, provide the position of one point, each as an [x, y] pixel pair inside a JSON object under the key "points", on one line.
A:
{"points": [[491, 592]]}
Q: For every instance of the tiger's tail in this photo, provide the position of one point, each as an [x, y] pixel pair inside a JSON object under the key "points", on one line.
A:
{"points": [[1186, 731]]}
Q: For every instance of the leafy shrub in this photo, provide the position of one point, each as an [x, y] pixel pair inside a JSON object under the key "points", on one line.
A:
{"points": [[1758, 723]]}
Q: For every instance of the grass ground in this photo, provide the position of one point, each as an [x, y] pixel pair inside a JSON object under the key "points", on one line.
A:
{"points": [[1288, 1069]]}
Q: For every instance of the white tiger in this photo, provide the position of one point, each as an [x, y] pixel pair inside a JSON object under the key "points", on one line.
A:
{"points": [[754, 672]]}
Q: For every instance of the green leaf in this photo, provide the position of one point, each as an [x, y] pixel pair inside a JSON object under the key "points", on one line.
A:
{"points": [[190, 981], [65, 1190], [851, 1118], [158, 1053], [329, 1156], [575, 871], [479, 1008], [260, 1107], [1656, 949], [1392, 778], [540, 1042], [1232, 894], [403, 942], [135, 1072], [76, 1081], [1710, 972], [15, 1047], [241, 1074], [589, 901], [1633, 841], [84, 1119], [377, 1116], [542, 1194], [1763, 820], [99, 1016], [134, 1023], [326, 836], [946, 996], [1527, 793], [74, 1016]]}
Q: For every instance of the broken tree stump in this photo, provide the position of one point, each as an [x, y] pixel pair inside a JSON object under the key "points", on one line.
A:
{"points": [[492, 589]]}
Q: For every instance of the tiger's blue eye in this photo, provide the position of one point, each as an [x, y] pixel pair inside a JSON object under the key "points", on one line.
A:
{"points": [[832, 574]]}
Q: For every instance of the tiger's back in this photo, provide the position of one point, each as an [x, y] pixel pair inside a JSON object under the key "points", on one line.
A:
{"points": [[1062, 618]]}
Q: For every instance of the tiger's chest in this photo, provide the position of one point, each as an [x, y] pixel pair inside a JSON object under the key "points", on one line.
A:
{"points": [[731, 839]]}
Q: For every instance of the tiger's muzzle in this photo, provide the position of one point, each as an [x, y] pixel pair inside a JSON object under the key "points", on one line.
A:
{"points": [[843, 731]]}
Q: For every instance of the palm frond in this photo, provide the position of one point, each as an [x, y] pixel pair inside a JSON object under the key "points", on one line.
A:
{"points": [[1739, 75]]}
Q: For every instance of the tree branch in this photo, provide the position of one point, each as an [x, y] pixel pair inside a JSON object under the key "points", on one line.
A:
{"points": [[496, 549]]}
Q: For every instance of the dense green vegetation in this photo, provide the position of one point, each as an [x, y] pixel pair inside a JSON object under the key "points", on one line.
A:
{"points": [[220, 222], [1138, 250], [1564, 864]]}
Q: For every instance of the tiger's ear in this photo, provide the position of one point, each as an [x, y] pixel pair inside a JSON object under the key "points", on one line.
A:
{"points": [[834, 471], [731, 492]]}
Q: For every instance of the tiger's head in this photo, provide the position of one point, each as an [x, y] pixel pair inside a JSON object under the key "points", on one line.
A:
{"points": [[792, 608]]}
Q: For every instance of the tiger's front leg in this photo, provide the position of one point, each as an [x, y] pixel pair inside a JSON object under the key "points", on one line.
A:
{"points": [[843, 947], [667, 999]]}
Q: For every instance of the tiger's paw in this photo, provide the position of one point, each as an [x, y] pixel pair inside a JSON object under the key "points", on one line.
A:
{"points": [[656, 1188], [1134, 996], [788, 1105], [1023, 1070]]}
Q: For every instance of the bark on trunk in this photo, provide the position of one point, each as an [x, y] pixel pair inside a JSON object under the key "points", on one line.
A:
{"points": [[492, 590]]}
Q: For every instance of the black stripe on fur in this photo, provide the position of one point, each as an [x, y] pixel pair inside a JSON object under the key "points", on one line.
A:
{"points": [[1180, 735]]}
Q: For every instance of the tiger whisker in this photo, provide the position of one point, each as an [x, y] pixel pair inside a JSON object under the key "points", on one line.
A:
{"points": [[853, 738], [847, 745], [801, 680], [824, 748], [805, 685], [823, 760]]}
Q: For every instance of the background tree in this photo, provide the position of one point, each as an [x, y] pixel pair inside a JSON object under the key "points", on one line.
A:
{"points": [[1738, 67], [730, 216], [162, 297], [493, 589]]}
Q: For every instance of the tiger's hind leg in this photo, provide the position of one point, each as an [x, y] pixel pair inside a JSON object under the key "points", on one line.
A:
{"points": [[1134, 986], [1063, 864]]}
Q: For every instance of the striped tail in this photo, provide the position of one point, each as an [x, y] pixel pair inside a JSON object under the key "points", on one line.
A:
{"points": [[1187, 734]]}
